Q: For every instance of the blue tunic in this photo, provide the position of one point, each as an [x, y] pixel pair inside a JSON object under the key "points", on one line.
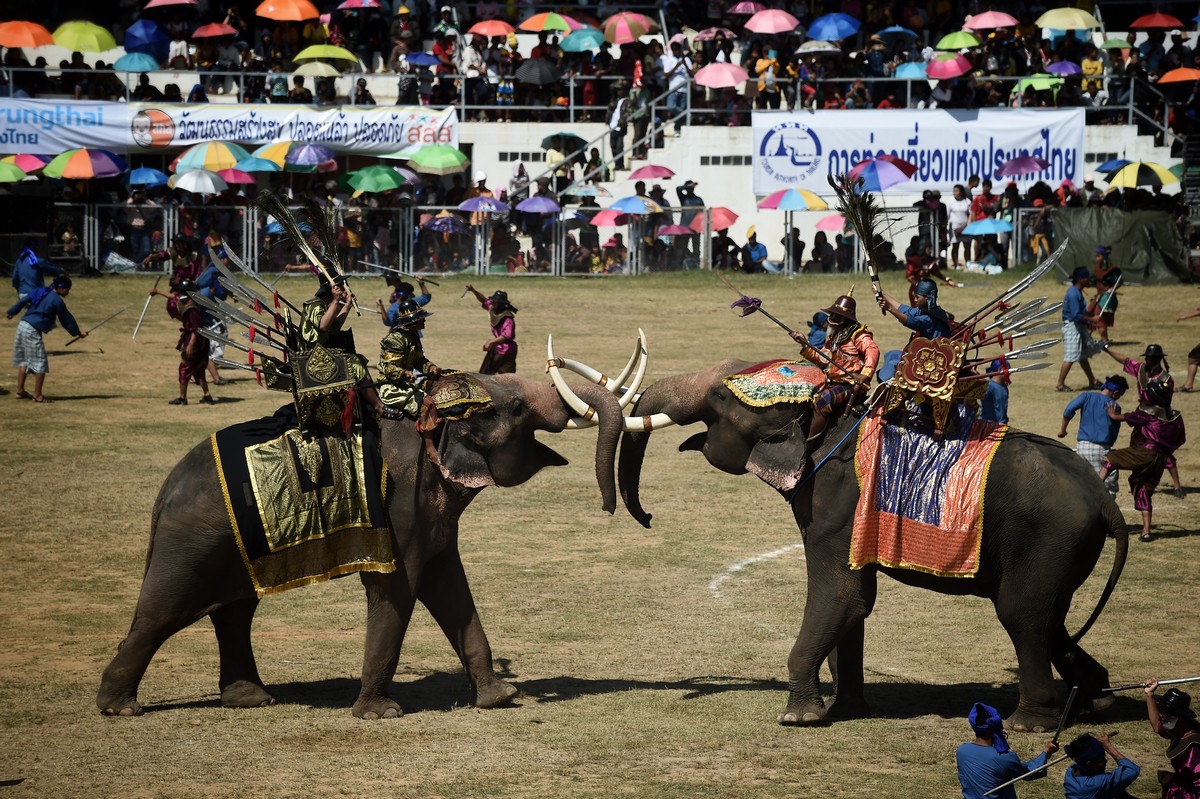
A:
{"points": [[981, 768], [1100, 786], [994, 407], [1094, 424], [923, 323]]}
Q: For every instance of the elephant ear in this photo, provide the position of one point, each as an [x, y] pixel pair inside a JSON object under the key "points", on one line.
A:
{"points": [[462, 461], [780, 462]]}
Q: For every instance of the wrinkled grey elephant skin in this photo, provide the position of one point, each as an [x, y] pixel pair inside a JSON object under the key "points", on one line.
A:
{"points": [[1046, 519], [194, 569]]}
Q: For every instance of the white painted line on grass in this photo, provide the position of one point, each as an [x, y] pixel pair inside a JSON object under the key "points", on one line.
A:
{"points": [[714, 585]]}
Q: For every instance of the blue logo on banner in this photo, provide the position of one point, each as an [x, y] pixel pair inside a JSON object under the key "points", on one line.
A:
{"points": [[790, 152]]}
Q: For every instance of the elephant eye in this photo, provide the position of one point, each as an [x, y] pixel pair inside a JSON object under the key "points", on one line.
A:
{"points": [[518, 406]]}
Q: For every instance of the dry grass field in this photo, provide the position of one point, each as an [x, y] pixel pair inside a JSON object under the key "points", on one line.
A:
{"points": [[637, 677]]}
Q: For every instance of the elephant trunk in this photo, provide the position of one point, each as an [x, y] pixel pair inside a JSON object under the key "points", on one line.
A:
{"points": [[554, 415]]}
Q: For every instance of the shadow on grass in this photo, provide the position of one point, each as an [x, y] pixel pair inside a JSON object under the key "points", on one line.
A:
{"points": [[77, 397]]}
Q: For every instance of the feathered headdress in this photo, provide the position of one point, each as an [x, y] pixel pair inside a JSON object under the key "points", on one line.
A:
{"points": [[270, 203], [862, 213]]}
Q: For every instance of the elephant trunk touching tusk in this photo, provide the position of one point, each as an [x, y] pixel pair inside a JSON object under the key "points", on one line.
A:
{"points": [[584, 412]]}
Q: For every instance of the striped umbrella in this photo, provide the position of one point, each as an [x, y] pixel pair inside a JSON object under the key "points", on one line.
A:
{"points": [[1141, 173], [83, 162], [627, 27], [255, 164], [549, 21], [11, 173], [793, 200], [210, 155]]}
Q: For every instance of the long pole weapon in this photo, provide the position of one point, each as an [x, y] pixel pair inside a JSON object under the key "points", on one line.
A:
{"points": [[400, 272], [1062, 721], [146, 307], [93, 327], [1032, 772], [1132, 685]]}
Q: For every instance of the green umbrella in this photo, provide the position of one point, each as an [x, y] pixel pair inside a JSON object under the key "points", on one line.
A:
{"points": [[11, 173], [375, 179], [1040, 82], [957, 41], [86, 37], [1177, 171], [439, 159], [1116, 44]]}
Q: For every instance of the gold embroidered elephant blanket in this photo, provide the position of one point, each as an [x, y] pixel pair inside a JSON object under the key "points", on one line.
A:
{"points": [[776, 381]]}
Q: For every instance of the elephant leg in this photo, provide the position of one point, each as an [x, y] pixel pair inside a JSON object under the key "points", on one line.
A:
{"points": [[447, 594], [846, 662], [839, 601], [1031, 625], [390, 604], [119, 684], [240, 684], [1079, 668]]}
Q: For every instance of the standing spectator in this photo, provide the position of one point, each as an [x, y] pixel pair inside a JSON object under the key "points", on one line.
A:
{"points": [[794, 247], [958, 211], [767, 69], [1077, 337], [618, 124], [140, 217], [45, 306], [471, 65], [406, 91], [1172, 718], [988, 761], [677, 68], [29, 272], [1088, 778], [1038, 223], [1097, 429], [983, 206], [501, 349]]}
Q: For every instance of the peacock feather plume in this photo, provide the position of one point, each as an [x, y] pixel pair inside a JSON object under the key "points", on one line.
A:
{"points": [[862, 212], [270, 203]]}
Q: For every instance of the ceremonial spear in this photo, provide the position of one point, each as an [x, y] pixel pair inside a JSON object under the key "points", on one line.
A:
{"points": [[1132, 685], [400, 272], [93, 327], [146, 307]]}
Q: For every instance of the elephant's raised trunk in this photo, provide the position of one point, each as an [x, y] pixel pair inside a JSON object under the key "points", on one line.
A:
{"points": [[556, 413]]}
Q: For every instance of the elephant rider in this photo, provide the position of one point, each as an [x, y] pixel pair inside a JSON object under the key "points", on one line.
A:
{"points": [[849, 358], [924, 317], [401, 356]]}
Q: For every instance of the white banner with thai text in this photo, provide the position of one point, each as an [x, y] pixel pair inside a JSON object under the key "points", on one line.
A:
{"points": [[800, 150], [49, 127]]}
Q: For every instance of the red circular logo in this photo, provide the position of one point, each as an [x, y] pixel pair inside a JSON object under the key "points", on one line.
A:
{"points": [[152, 129]]}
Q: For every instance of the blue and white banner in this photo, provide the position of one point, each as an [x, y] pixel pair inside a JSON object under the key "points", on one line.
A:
{"points": [[50, 127], [800, 150]]}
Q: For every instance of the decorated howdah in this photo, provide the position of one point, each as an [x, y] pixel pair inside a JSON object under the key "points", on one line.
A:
{"points": [[776, 381]]}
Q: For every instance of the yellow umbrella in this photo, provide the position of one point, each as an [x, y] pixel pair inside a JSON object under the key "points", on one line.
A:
{"points": [[325, 51], [317, 69], [1067, 19], [86, 37], [276, 151], [1141, 173]]}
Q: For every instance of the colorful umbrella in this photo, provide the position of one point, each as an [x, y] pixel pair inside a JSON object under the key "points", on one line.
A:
{"points": [[308, 155], [722, 218], [162, 3], [985, 227], [492, 27], [27, 162], [674, 230], [145, 176], [1116, 44], [317, 69], [582, 40], [710, 34], [834, 223], [214, 29], [1180, 75], [1064, 68], [818, 46], [721, 75], [910, 69], [1022, 165], [11, 173], [200, 181], [627, 27], [793, 200], [85, 163], [210, 155], [287, 10], [747, 8], [1067, 19], [375, 179], [1113, 165], [1156, 20], [353, 5], [438, 159], [325, 51], [882, 172], [483, 205], [587, 190], [957, 41], [832, 27], [275, 152], [86, 37], [446, 224], [233, 176], [549, 21], [538, 205], [651, 172], [1138, 173], [635, 204], [948, 65], [24, 34], [772, 20], [989, 20], [609, 218], [135, 62]]}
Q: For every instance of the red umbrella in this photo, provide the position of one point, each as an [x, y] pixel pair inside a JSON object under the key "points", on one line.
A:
{"points": [[287, 10], [236, 176], [609, 218], [772, 20], [627, 27], [214, 29], [721, 75], [722, 218], [651, 172], [492, 27], [989, 20], [1156, 20], [674, 230]]}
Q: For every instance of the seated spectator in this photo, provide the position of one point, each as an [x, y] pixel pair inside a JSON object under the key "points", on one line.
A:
{"points": [[299, 94], [145, 91], [171, 93]]}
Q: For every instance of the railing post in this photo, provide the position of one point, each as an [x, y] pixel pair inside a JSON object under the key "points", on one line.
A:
{"points": [[571, 98]]}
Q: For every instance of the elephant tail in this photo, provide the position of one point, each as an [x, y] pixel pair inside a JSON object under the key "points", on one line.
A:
{"points": [[1116, 530]]}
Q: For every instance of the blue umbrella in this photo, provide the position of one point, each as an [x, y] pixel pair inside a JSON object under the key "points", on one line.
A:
{"points": [[145, 176], [833, 27], [143, 36], [896, 32], [582, 40], [135, 62], [276, 229], [422, 59], [636, 205], [986, 226], [446, 224], [910, 69], [1113, 165], [256, 164]]}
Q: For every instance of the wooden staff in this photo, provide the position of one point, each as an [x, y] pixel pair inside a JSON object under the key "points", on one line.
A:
{"points": [[93, 327], [1132, 685]]}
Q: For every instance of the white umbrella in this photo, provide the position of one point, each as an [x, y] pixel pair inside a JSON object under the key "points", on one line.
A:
{"points": [[200, 181], [317, 69]]}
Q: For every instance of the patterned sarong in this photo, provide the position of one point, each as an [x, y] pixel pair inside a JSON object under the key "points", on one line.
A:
{"points": [[778, 381], [303, 510], [920, 504]]}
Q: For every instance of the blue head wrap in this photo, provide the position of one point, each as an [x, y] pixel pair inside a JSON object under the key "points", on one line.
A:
{"points": [[985, 720], [1081, 273], [1085, 749], [820, 319], [927, 288]]}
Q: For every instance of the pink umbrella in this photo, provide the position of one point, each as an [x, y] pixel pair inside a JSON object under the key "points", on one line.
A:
{"points": [[1022, 165], [627, 27], [948, 66], [834, 223], [721, 75], [236, 176], [709, 34], [650, 172], [352, 4], [989, 20], [610, 218], [674, 230], [214, 29], [27, 162], [747, 7], [161, 3], [772, 20], [722, 218]]}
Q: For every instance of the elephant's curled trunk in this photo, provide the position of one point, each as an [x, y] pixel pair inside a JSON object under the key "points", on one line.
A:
{"points": [[554, 414]]}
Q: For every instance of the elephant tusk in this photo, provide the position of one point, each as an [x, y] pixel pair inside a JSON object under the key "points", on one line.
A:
{"points": [[630, 393], [646, 424], [643, 361], [586, 414]]}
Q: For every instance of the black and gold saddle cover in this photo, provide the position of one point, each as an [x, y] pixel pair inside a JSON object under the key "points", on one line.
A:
{"points": [[303, 510]]}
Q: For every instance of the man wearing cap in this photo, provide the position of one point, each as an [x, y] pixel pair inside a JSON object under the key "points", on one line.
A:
{"points": [[445, 22], [501, 349], [988, 761], [44, 306], [849, 358], [1172, 717], [1097, 429], [924, 317], [1088, 778], [1077, 337], [754, 255]]}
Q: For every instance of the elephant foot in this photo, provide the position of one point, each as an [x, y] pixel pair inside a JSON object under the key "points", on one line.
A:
{"points": [[244, 693], [849, 708], [126, 707], [382, 707], [494, 694], [1039, 719], [802, 714], [1097, 704]]}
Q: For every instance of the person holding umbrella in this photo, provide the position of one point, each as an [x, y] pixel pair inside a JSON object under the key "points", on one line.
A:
{"points": [[501, 348]]}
